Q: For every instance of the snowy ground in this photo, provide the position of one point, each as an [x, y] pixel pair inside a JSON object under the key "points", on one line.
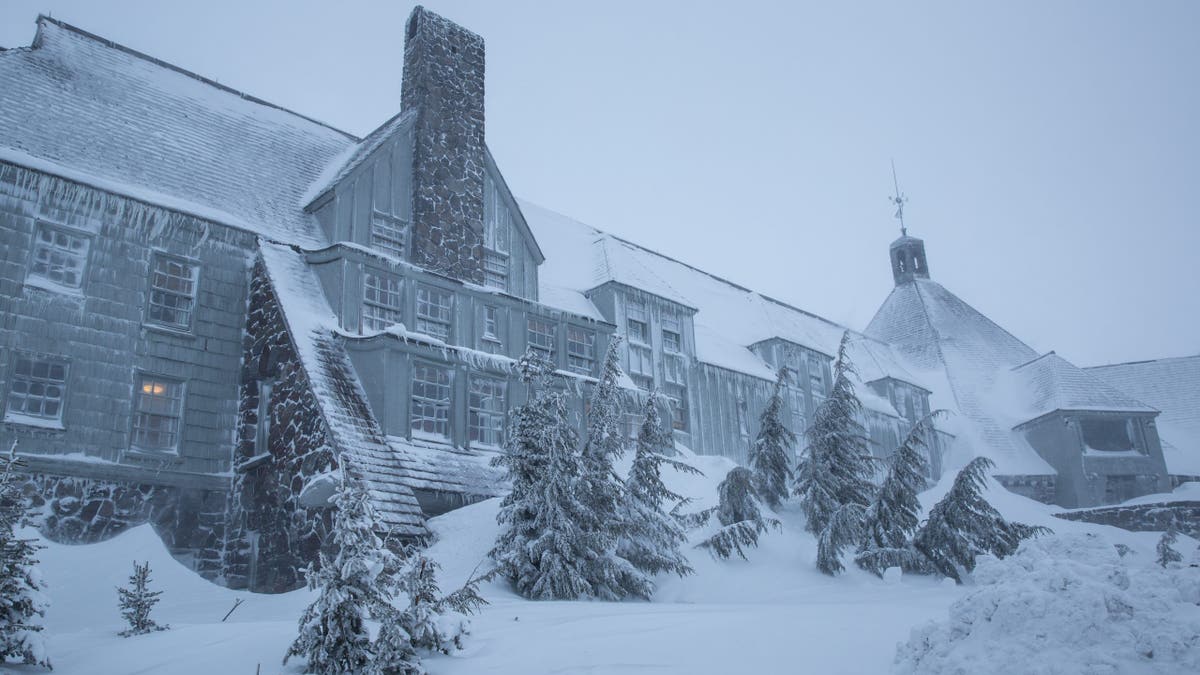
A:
{"points": [[772, 614]]}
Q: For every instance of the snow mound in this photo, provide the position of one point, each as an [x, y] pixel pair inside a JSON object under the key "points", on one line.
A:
{"points": [[1064, 605]]}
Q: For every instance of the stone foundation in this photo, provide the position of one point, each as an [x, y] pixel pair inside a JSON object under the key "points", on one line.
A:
{"points": [[1143, 517], [1038, 488]]}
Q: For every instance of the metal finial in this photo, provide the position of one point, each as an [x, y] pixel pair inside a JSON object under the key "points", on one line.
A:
{"points": [[899, 200]]}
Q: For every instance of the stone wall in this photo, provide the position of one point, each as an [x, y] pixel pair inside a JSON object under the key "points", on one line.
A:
{"points": [[1037, 488], [272, 535], [74, 510], [443, 82], [1144, 517]]}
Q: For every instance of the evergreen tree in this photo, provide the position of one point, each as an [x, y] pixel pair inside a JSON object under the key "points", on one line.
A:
{"points": [[770, 455], [740, 515], [137, 601], [843, 529], [425, 620], [22, 590], [333, 633], [553, 546], [1165, 549], [894, 516], [835, 469], [652, 537], [964, 525], [394, 652]]}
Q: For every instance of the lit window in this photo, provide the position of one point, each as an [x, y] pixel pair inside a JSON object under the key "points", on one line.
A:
{"points": [[158, 411], [672, 336], [638, 325], [430, 401], [38, 388], [434, 307], [542, 338], [581, 350], [388, 234], [495, 270], [59, 256], [381, 301], [486, 412], [640, 360], [172, 292], [674, 369]]}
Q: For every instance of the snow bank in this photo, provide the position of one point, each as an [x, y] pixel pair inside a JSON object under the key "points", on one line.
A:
{"points": [[1062, 605]]}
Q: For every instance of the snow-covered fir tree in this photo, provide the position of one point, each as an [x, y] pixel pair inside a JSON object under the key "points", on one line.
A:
{"points": [[1165, 550], [652, 537], [333, 633], [430, 619], [740, 516], [963, 525], [393, 652], [137, 600], [22, 590], [551, 545], [891, 520], [834, 476], [771, 453]]}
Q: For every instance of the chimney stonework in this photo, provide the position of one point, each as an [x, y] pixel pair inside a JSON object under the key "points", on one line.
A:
{"points": [[443, 83]]}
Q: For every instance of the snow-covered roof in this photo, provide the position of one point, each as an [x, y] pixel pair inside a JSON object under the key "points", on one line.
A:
{"points": [[1056, 384], [350, 158], [150, 130], [728, 318], [937, 331], [1173, 387], [361, 446], [439, 468]]}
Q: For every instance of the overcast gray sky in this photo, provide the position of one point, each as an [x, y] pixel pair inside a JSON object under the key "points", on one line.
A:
{"points": [[1050, 150]]}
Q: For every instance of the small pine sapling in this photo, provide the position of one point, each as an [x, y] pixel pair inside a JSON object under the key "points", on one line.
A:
{"points": [[836, 469], [652, 537], [394, 652], [891, 520], [22, 589], [136, 602], [770, 455], [740, 515], [964, 525], [1166, 549]]}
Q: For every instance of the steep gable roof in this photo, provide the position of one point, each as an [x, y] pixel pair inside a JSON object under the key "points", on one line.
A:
{"points": [[148, 129], [1056, 384]]}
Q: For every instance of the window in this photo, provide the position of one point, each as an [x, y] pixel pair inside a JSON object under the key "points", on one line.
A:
{"points": [[672, 337], [638, 325], [631, 425], [1108, 435], [542, 334], [59, 257], [497, 224], [816, 378], [495, 270], [679, 411], [486, 406], [491, 330], [796, 406], [742, 421], [158, 411], [430, 415], [673, 369], [172, 292], [581, 350], [262, 432], [434, 307], [388, 234], [640, 361], [381, 301], [38, 389]]}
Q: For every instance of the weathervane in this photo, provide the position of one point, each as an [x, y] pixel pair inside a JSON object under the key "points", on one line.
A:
{"points": [[899, 200]]}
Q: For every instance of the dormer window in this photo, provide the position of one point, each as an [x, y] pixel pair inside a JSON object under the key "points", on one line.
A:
{"points": [[1109, 435]]}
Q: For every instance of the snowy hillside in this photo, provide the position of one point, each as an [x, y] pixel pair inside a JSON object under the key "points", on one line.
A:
{"points": [[771, 614]]}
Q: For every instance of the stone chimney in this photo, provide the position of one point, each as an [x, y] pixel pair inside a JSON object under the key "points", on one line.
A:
{"points": [[443, 83]]}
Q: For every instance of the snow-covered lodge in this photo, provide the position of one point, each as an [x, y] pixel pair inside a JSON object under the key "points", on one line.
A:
{"points": [[211, 304]]}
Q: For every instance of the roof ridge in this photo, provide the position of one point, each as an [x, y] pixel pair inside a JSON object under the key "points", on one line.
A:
{"points": [[1141, 362], [43, 18]]}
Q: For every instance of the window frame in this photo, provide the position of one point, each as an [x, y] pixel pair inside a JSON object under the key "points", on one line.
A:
{"points": [[23, 416], [548, 353], [137, 413], [374, 312], [435, 405], [169, 258], [477, 415], [424, 321], [672, 326], [44, 281], [645, 355], [393, 238]]}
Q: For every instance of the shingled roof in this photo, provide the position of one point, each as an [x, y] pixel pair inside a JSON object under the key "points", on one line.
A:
{"points": [[108, 115]]}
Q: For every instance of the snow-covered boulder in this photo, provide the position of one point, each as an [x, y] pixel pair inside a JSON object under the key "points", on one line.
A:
{"points": [[1065, 605]]}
